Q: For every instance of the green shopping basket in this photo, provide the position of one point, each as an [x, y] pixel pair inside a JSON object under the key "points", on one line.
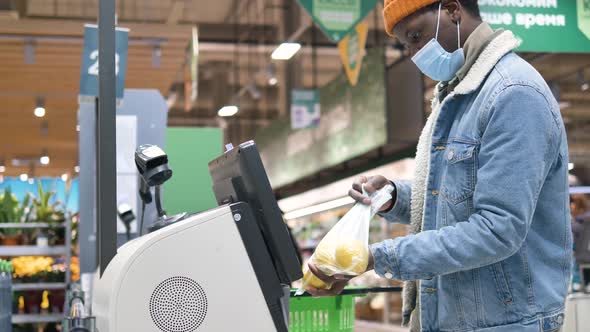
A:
{"points": [[333, 314], [330, 314]]}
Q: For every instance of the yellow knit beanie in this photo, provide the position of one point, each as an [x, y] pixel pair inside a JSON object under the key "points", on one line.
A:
{"points": [[396, 10]]}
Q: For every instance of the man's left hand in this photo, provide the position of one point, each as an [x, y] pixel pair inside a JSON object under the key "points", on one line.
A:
{"points": [[338, 281]]}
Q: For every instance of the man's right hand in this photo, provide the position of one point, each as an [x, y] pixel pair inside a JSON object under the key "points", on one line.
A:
{"points": [[371, 184]]}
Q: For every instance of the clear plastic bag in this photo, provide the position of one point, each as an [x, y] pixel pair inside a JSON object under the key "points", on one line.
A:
{"points": [[345, 249]]}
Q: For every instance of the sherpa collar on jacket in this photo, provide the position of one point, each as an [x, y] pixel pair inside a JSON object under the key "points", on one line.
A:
{"points": [[495, 50]]}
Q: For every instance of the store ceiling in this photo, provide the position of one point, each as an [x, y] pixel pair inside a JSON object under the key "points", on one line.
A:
{"points": [[52, 32], [54, 75], [236, 39]]}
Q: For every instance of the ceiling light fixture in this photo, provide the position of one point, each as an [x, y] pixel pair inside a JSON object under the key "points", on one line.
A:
{"points": [[227, 111], [64, 177], [156, 56], [31, 181], [2, 169], [584, 84], [44, 160], [271, 73], [570, 166], [77, 169], [285, 51], [254, 91], [30, 51], [24, 177], [40, 108]]}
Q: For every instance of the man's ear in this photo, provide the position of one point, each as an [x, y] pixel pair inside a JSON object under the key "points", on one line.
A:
{"points": [[454, 8]]}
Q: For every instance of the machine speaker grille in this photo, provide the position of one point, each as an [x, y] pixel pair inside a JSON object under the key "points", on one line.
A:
{"points": [[178, 304]]}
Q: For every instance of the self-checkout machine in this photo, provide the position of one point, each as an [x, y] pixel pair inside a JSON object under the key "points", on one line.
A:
{"points": [[225, 269]]}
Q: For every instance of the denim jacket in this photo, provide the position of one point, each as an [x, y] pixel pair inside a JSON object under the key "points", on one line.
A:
{"points": [[494, 253]]}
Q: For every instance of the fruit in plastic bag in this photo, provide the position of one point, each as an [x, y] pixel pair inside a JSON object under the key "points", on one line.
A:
{"points": [[310, 279], [345, 249], [352, 256], [348, 256]]}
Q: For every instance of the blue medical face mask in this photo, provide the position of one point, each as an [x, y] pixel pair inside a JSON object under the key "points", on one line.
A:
{"points": [[435, 62]]}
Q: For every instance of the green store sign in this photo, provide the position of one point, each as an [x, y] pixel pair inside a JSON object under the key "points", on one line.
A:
{"points": [[338, 18], [553, 26]]}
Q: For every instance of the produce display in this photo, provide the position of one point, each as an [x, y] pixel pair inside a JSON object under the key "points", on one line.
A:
{"points": [[28, 266], [28, 269], [75, 268]]}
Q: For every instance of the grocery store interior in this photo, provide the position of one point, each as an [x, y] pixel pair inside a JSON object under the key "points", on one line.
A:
{"points": [[108, 178]]}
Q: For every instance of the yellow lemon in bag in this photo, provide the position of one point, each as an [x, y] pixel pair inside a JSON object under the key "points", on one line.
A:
{"points": [[324, 254], [310, 279], [342, 257], [352, 256]]}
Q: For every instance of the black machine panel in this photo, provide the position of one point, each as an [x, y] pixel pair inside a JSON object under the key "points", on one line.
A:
{"points": [[239, 176]]}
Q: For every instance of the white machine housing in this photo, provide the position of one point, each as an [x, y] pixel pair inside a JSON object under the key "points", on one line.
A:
{"points": [[195, 275]]}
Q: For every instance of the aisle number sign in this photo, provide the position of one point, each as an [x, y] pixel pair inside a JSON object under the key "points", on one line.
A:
{"points": [[560, 26], [89, 70], [338, 18], [352, 51], [305, 109]]}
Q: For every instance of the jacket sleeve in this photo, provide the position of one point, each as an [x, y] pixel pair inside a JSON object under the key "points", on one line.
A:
{"points": [[400, 212], [518, 147]]}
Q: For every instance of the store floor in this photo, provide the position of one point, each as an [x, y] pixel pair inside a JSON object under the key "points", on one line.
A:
{"points": [[364, 326]]}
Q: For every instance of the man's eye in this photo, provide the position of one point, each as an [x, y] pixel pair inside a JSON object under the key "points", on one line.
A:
{"points": [[415, 37]]}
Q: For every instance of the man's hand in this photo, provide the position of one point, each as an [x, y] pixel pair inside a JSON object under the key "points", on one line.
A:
{"points": [[371, 185], [338, 281]]}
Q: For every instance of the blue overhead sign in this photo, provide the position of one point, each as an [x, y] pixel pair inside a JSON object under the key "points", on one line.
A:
{"points": [[89, 71]]}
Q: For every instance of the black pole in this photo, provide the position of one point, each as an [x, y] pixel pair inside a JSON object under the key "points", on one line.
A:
{"points": [[106, 170]]}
